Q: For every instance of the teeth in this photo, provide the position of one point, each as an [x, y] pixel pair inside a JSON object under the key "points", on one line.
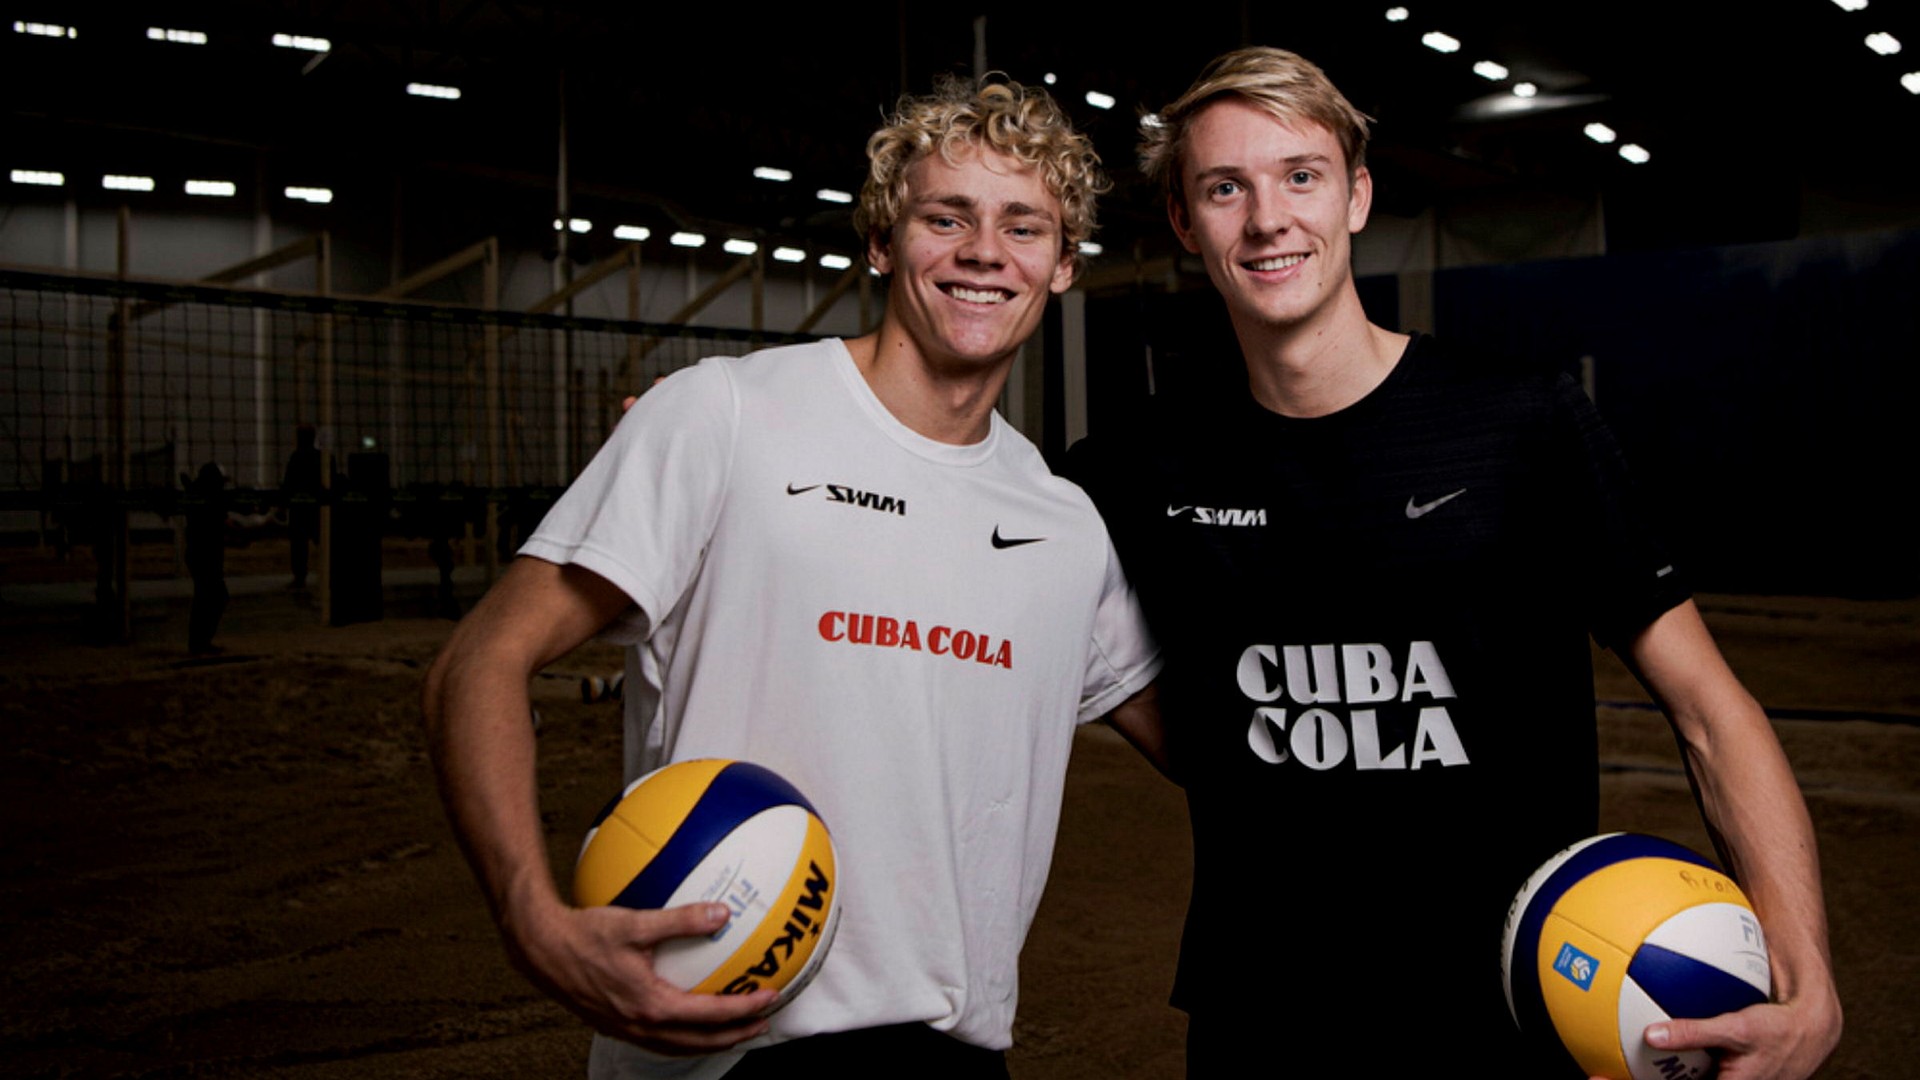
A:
{"points": [[976, 296], [1280, 263]]}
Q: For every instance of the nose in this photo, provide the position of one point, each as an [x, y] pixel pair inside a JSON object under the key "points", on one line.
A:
{"points": [[1267, 213], [984, 246]]}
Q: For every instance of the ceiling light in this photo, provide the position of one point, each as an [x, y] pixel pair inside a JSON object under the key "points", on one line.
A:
{"points": [[631, 232], [311, 194], [298, 41], [827, 194], [1635, 153], [687, 239], [1883, 43], [787, 254], [178, 37], [39, 177], [1524, 89], [1397, 14], [44, 30], [835, 262], [1600, 133], [1487, 69], [1911, 80], [1088, 247], [1850, 5], [1049, 78], [420, 89], [1439, 42], [115, 182], [768, 172], [1152, 120], [219, 189], [1099, 100], [739, 247]]}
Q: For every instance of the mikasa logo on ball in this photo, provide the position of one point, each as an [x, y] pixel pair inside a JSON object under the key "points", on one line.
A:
{"points": [[1577, 966]]}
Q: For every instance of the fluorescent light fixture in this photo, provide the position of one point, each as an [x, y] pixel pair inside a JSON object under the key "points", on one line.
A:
{"points": [[739, 247], [1088, 247], [1439, 42], [835, 262], [687, 239], [1152, 120], [827, 194], [178, 37], [116, 182], [302, 42], [1099, 100], [1524, 89], [38, 29], [219, 189], [1850, 5], [420, 89], [1049, 78], [318, 195], [39, 177], [1487, 69], [1397, 14], [579, 225], [768, 172], [1635, 153], [1883, 43], [1600, 133], [631, 232], [787, 254], [1911, 80]]}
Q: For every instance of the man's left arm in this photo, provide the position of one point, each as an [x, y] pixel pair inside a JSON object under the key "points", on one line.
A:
{"points": [[1759, 823]]}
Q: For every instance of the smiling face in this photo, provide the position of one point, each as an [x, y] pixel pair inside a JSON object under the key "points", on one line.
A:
{"points": [[1270, 210], [974, 254]]}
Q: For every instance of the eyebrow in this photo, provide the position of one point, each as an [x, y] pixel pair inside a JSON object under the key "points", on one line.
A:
{"points": [[967, 202], [1293, 161]]}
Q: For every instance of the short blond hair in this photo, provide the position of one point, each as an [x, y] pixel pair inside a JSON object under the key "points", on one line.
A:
{"points": [[1286, 85], [1023, 123]]}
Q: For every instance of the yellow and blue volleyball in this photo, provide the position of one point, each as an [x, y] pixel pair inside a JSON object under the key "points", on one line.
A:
{"points": [[729, 832], [1621, 931]]}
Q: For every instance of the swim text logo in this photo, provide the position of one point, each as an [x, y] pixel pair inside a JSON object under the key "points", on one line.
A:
{"points": [[888, 632], [841, 493], [1218, 515], [1364, 674]]}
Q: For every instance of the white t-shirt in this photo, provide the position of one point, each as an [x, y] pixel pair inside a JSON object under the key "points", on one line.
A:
{"points": [[905, 629]]}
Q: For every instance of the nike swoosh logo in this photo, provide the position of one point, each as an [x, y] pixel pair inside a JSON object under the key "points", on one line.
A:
{"points": [[791, 490], [1419, 510], [1006, 542], [1176, 511]]}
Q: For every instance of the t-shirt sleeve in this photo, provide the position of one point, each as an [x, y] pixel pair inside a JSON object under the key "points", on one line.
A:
{"points": [[641, 513], [1123, 657], [1633, 578]]}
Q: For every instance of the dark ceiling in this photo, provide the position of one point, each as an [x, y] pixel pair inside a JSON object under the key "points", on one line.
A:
{"points": [[1751, 113]]}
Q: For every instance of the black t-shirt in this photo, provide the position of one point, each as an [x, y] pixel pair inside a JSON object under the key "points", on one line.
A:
{"points": [[1377, 689]]}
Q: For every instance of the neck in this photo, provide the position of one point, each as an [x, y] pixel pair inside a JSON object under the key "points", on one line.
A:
{"points": [[951, 405], [1318, 367]]}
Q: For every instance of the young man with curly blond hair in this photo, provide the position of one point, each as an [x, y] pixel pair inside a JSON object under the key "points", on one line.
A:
{"points": [[1376, 570], [834, 560]]}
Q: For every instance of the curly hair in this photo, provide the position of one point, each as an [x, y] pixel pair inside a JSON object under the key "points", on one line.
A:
{"points": [[1023, 123], [1286, 85]]}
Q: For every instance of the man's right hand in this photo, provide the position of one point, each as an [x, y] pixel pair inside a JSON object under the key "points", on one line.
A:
{"points": [[598, 962]]}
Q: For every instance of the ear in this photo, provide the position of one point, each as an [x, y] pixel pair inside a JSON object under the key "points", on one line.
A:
{"points": [[880, 251], [1359, 200], [1062, 274], [1182, 223]]}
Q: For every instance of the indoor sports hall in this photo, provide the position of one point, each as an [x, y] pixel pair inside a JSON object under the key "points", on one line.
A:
{"points": [[310, 311]]}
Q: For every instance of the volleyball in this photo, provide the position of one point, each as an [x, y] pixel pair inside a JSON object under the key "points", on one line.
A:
{"points": [[729, 832], [1621, 931]]}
